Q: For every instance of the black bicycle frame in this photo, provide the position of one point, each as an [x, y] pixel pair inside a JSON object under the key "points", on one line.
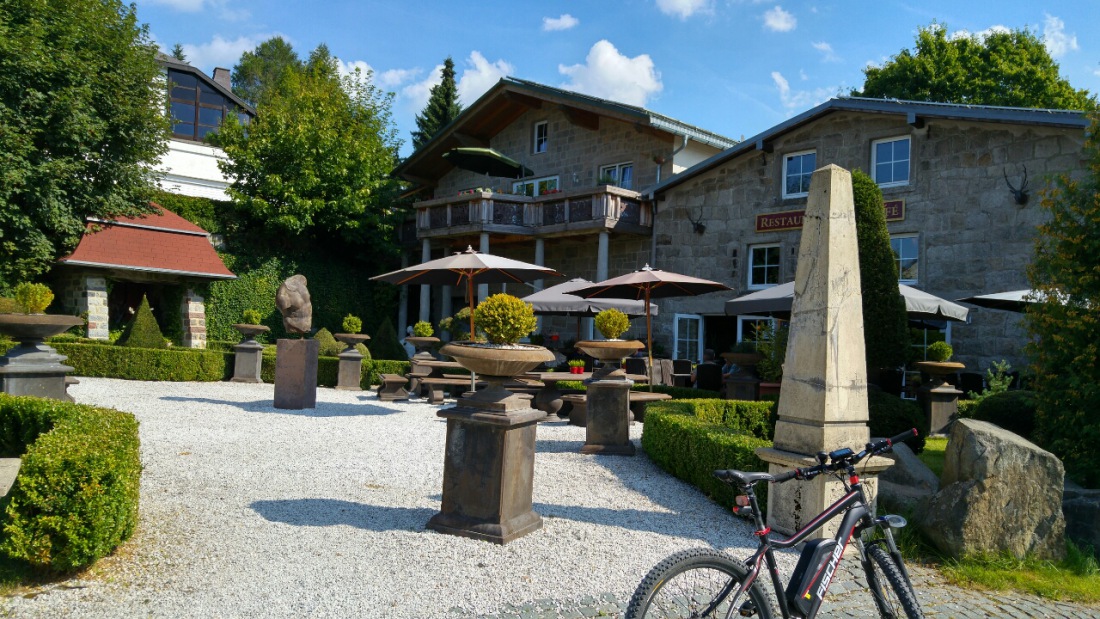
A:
{"points": [[851, 504]]}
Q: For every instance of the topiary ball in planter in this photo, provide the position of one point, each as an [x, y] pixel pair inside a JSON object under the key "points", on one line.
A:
{"points": [[612, 323], [352, 324], [504, 319], [33, 298], [939, 352], [423, 329]]}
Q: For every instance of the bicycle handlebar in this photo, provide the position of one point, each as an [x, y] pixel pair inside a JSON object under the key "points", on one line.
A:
{"points": [[837, 464]]}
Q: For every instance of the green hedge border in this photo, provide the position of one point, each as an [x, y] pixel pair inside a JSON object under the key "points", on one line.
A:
{"points": [[693, 438], [75, 498]]}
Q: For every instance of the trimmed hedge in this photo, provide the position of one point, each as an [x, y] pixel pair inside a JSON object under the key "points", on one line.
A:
{"points": [[76, 496], [173, 364], [692, 448]]}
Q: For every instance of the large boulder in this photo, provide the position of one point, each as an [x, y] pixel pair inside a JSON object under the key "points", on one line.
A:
{"points": [[999, 493], [909, 484], [1081, 509]]}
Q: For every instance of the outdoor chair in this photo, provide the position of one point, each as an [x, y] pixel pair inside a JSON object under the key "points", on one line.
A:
{"points": [[636, 365], [708, 376], [681, 372]]}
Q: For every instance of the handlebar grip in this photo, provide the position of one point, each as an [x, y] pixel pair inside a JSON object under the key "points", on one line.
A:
{"points": [[903, 436], [789, 475], [885, 445]]}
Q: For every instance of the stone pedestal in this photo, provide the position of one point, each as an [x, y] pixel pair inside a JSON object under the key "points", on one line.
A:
{"points": [[247, 362], [941, 404], [608, 420], [743, 386], [489, 467], [34, 369], [296, 374], [350, 370]]}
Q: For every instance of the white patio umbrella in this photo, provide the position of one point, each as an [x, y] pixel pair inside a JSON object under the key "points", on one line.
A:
{"points": [[777, 300]]}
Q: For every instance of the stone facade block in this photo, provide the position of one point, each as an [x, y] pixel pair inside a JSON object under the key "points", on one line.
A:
{"points": [[193, 316]]}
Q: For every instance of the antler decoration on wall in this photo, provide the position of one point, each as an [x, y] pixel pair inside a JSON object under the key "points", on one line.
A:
{"points": [[1019, 195], [697, 224]]}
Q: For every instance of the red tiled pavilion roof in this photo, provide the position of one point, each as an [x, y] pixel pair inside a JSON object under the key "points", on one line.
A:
{"points": [[161, 242]]}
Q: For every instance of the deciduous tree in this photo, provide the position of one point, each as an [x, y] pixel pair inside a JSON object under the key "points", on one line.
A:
{"points": [[999, 68], [442, 107], [81, 124], [1065, 351]]}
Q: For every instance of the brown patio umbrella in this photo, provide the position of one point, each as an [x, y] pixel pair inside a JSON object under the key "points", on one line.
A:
{"points": [[471, 267], [647, 284]]}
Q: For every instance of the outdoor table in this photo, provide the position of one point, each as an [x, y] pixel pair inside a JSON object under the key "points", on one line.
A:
{"points": [[548, 399], [428, 369]]}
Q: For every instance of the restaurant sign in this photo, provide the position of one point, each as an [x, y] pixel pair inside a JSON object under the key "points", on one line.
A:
{"points": [[792, 220]]}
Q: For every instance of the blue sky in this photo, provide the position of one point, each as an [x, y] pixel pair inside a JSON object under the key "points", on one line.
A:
{"points": [[735, 67]]}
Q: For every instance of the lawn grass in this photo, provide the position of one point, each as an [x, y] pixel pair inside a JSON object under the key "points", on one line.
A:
{"points": [[933, 454]]}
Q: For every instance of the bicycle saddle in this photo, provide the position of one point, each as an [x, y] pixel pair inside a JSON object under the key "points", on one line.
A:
{"points": [[743, 478]]}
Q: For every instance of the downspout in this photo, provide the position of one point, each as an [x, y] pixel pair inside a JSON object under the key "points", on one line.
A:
{"points": [[653, 234]]}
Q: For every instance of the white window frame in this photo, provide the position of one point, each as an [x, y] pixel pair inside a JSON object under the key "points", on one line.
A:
{"points": [[615, 171], [786, 159], [751, 265], [898, 258], [519, 187], [908, 161], [541, 145], [696, 341], [744, 330]]}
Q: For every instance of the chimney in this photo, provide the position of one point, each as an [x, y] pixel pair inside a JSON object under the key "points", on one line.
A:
{"points": [[221, 76]]}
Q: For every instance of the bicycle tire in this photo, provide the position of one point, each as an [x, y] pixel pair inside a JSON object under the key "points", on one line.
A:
{"points": [[892, 591], [685, 583]]}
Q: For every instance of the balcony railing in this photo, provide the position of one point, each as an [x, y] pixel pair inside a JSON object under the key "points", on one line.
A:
{"points": [[563, 213]]}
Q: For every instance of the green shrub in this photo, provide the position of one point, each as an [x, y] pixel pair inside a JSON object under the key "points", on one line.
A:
{"points": [[363, 350], [1012, 410], [384, 342], [175, 364], [612, 323], [889, 415], [939, 351], [33, 298], [752, 418], [76, 496], [771, 342], [423, 328], [692, 449], [329, 347], [143, 331], [352, 324], [9, 306], [504, 318], [251, 317]]}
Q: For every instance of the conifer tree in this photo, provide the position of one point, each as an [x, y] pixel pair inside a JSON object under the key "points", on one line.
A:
{"points": [[442, 108]]}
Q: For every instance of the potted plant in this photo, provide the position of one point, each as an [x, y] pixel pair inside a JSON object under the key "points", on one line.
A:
{"points": [[611, 323], [33, 325], [504, 319], [939, 364], [576, 366], [351, 336], [423, 339], [34, 368], [250, 326]]}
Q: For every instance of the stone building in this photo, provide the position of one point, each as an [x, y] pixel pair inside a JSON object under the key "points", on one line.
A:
{"points": [[945, 172], [161, 256], [570, 198]]}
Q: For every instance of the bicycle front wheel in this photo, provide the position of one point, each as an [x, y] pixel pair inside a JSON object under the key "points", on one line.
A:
{"points": [[695, 583], [892, 591]]}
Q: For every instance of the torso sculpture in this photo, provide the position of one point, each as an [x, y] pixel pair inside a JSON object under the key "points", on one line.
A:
{"points": [[292, 299]]}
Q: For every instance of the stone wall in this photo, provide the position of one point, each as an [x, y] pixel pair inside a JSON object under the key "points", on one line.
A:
{"points": [[85, 294], [193, 316], [973, 238]]}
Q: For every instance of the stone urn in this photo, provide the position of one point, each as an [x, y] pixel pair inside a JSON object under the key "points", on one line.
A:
{"points": [[743, 384], [350, 368], [423, 346], [351, 340], [489, 459], [248, 357], [939, 399], [33, 368], [610, 354], [939, 370]]}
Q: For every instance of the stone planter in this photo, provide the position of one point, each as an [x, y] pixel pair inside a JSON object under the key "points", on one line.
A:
{"points": [[939, 399], [423, 346], [607, 423], [249, 354], [610, 353], [350, 369], [33, 368], [489, 459]]}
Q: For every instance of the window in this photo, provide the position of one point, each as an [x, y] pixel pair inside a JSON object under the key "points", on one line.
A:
{"points": [[749, 326], [797, 170], [890, 161], [536, 187], [621, 174], [907, 254], [763, 266], [197, 108], [688, 337], [541, 136]]}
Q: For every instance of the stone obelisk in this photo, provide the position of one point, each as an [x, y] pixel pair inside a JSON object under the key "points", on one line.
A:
{"points": [[823, 397]]}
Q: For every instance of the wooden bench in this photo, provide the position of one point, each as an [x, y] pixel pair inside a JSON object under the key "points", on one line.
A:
{"points": [[578, 416], [437, 387], [392, 388]]}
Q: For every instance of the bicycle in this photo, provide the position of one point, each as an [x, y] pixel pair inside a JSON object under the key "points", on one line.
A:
{"points": [[708, 583]]}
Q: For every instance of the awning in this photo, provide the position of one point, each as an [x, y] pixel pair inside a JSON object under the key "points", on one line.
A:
{"points": [[486, 161]]}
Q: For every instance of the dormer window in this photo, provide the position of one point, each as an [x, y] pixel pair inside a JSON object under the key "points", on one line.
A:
{"points": [[542, 139], [197, 107]]}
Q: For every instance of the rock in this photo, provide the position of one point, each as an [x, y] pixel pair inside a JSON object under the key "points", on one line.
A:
{"points": [[909, 484], [999, 493], [293, 302], [1081, 509]]}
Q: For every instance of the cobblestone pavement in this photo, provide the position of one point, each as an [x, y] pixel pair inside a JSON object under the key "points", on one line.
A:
{"points": [[848, 599]]}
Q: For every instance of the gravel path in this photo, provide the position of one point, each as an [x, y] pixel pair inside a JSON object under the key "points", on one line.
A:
{"points": [[249, 511]]}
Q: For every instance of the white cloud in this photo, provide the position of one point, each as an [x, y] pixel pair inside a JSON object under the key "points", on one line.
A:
{"points": [[981, 35], [479, 76], [186, 6], [1055, 37], [684, 8], [827, 53], [219, 52], [347, 68], [417, 94], [395, 77], [565, 22], [610, 75], [800, 100], [778, 20], [802, 75]]}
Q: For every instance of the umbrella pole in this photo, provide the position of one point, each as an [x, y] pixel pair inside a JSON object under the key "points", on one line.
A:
{"points": [[649, 339], [470, 296]]}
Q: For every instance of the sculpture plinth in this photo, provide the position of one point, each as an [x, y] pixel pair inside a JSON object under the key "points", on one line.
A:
{"points": [[248, 357], [296, 374], [33, 368], [349, 375], [607, 427]]}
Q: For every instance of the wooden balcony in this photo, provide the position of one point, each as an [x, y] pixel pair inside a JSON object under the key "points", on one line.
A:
{"points": [[569, 213]]}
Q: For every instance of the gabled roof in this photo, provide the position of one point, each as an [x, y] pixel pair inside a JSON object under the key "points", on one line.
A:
{"points": [[914, 111], [162, 242], [510, 98], [179, 65]]}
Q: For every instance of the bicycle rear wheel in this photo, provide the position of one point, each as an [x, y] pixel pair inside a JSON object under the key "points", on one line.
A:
{"points": [[892, 591], [690, 583]]}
